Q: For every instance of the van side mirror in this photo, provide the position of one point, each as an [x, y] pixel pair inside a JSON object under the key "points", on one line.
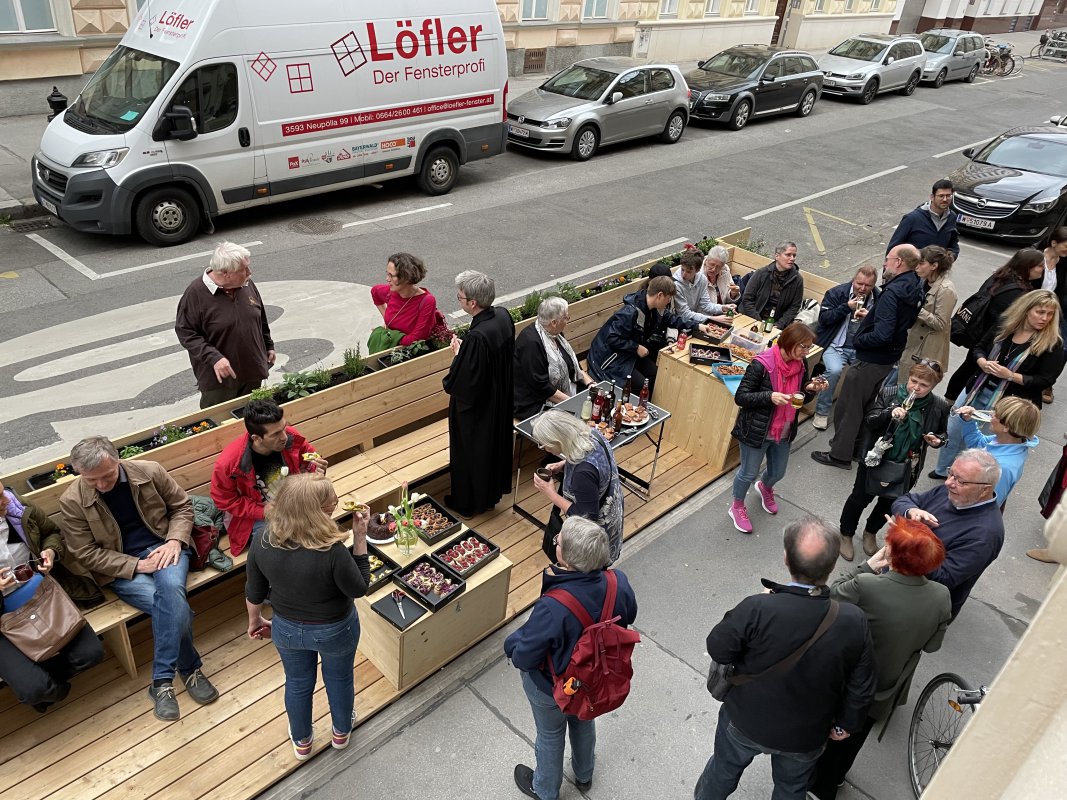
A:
{"points": [[178, 123], [615, 97]]}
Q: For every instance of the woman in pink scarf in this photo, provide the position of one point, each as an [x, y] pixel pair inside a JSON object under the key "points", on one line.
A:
{"points": [[767, 422]]}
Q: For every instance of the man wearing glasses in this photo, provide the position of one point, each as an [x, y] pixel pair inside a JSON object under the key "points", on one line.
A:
{"points": [[964, 514], [879, 343], [934, 222]]}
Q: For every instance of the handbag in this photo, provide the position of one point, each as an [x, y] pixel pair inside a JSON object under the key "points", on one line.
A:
{"points": [[45, 624], [723, 677], [888, 479], [552, 529], [383, 338]]}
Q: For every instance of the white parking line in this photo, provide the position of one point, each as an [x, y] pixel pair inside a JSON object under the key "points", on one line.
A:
{"points": [[202, 254], [580, 274], [824, 192], [961, 147], [394, 216], [63, 255]]}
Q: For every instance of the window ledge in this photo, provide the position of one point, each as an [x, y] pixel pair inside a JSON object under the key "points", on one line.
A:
{"points": [[11, 41]]}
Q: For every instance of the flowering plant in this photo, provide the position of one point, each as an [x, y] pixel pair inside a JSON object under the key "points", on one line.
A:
{"points": [[169, 433], [62, 471], [405, 526]]}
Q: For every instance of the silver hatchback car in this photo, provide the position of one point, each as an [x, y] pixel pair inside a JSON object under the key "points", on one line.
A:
{"points": [[951, 55], [601, 101], [866, 65]]}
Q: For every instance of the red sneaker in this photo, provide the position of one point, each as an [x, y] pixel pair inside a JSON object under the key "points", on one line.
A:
{"points": [[766, 493], [739, 514]]}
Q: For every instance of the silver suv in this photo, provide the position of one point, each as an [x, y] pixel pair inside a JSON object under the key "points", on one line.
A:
{"points": [[952, 55], [864, 66], [601, 101]]}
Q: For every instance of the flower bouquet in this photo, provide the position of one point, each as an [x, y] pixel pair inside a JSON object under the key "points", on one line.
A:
{"points": [[404, 525]]}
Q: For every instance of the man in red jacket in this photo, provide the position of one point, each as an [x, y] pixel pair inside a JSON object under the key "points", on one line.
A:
{"points": [[250, 469]]}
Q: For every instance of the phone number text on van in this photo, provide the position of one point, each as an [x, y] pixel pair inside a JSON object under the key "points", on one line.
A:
{"points": [[385, 115], [423, 73]]}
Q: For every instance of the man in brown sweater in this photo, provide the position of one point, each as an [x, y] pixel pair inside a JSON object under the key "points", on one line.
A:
{"points": [[222, 322]]}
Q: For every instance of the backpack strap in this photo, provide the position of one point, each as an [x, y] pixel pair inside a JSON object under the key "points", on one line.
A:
{"points": [[608, 611], [570, 602]]}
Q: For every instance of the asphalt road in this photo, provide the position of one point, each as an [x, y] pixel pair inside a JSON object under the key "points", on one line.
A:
{"points": [[87, 344]]}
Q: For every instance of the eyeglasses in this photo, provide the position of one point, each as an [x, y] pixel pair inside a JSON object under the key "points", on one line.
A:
{"points": [[952, 476], [555, 540], [461, 298]]}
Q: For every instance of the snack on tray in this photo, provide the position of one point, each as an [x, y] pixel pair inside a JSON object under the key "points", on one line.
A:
{"points": [[465, 554], [731, 369], [635, 415], [741, 353], [424, 579], [375, 563], [716, 330], [429, 518]]}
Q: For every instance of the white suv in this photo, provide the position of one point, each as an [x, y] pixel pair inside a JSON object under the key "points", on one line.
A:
{"points": [[863, 66]]}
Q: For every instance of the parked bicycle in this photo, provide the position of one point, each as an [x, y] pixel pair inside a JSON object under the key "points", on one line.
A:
{"points": [[1052, 45], [999, 59], [942, 711]]}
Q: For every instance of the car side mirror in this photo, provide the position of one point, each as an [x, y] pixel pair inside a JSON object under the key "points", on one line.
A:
{"points": [[889, 60], [1056, 120], [177, 123], [969, 152], [615, 97], [959, 52], [700, 64], [767, 79]]}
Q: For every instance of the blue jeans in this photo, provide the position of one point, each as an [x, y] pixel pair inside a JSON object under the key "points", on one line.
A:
{"points": [[948, 452], [751, 457], [792, 772], [300, 644], [552, 727], [161, 595], [835, 359]]}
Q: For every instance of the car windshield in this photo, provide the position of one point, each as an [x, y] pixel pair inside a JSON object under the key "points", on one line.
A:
{"points": [[1027, 153], [584, 83], [737, 65], [859, 49], [937, 43], [122, 90]]}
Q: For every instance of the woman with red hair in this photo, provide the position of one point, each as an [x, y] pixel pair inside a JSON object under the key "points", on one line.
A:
{"points": [[908, 615]]}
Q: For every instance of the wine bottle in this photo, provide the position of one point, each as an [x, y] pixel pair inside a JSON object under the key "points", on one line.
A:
{"points": [[627, 389], [598, 406], [643, 402], [618, 417], [768, 324]]}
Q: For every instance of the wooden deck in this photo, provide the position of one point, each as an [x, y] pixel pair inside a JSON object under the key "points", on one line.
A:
{"points": [[104, 742]]}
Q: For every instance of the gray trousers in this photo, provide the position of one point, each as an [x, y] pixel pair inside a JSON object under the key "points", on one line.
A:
{"points": [[221, 395], [861, 385]]}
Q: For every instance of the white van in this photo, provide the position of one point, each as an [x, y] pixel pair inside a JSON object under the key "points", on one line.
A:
{"points": [[210, 106]]}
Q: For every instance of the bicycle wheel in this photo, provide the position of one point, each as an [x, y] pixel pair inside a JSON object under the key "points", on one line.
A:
{"points": [[1020, 62], [936, 723], [1007, 64], [988, 66], [1035, 51]]}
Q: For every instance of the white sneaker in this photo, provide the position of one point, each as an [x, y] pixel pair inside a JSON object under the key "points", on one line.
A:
{"points": [[820, 422]]}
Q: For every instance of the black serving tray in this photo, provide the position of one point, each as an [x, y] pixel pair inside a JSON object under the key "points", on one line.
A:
{"points": [[439, 554], [380, 577], [387, 608], [444, 533], [432, 601], [711, 339], [715, 355]]}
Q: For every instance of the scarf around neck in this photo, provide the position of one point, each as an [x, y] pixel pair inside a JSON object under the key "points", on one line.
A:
{"points": [[562, 363], [998, 385], [909, 431], [785, 378]]}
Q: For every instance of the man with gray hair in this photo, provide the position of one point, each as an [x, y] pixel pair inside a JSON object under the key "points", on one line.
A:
{"points": [[777, 288], [222, 322], [788, 712], [480, 389], [130, 524], [964, 513]]}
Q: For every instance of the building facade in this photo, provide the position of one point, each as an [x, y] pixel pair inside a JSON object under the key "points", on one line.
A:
{"points": [[980, 16]]}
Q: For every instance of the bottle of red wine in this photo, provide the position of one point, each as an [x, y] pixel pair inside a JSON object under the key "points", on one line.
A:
{"points": [[644, 395], [627, 389]]}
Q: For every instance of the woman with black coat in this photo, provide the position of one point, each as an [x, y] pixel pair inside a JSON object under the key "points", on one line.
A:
{"points": [[767, 422], [546, 368], [1054, 278]]}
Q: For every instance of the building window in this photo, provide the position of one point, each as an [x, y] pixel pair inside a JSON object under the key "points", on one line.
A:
{"points": [[876, 5], [713, 8], [534, 9], [668, 8], [751, 6], [19, 16], [595, 9], [820, 6], [850, 5]]}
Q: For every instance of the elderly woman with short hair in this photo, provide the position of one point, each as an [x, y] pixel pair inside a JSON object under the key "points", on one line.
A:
{"points": [[721, 286], [590, 487], [409, 312], [546, 368], [548, 638]]}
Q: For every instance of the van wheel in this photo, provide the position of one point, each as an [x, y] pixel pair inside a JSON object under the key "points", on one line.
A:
{"points": [[585, 144], [674, 128], [167, 216], [908, 88], [438, 173], [972, 74], [939, 81], [869, 92]]}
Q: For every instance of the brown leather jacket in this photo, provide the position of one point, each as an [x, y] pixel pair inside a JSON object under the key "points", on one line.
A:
{"points": [[92, 535]]}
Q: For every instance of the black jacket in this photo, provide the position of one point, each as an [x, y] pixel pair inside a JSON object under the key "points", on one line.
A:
{"points": [[917, 228], [632, 325], [754, 398], [935, 420], [758, 292], [1039, 372], [883, 334], [833, 684], [835, 309], [532, 384]]}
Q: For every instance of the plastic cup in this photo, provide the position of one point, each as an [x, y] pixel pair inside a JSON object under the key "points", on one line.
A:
{"points": [[797, 399]]}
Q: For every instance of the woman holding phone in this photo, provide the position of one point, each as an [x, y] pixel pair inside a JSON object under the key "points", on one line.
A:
{"points": [[312, 579]]}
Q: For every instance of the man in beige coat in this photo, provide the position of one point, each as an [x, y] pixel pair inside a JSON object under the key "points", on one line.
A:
{"points": [[130, 525]]}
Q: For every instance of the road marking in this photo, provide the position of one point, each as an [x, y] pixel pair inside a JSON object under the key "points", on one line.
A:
{"points": [[961, 147], [580, 274], [809, 215], [996, 253], [9, 274], [394, 216], [824, 192], [201, 254]]}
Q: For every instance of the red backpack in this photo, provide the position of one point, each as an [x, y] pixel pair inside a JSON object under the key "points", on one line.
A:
{"points": [[597, 679]]}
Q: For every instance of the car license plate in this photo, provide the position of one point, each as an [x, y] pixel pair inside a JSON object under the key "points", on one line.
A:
{"points": [[522, 133], [50, 206], [974, 222], [829, 83]]}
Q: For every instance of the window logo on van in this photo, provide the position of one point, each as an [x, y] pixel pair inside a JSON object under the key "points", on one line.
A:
{"points": [[349, 53], [431, 39]]}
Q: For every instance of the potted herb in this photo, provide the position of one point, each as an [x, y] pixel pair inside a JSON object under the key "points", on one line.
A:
{"points": [[130, 450], [353, 364]]}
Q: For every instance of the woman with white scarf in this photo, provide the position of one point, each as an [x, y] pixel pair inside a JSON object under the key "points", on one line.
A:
{"points": [[546, 368]]}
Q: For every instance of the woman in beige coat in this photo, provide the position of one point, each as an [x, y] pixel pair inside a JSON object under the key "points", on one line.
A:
{"points": [[929, 336]]}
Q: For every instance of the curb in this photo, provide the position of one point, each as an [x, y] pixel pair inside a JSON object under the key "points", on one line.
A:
{"points": [[21, 209]]}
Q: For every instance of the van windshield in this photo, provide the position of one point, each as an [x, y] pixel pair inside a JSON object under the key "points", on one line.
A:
{"points": [[584, 83], [121, 91], [859, 49]]}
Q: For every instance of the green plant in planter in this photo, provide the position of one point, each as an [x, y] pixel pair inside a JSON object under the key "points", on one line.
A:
{"points": [[262, 393], [756, 245], [516, 314], [461, 330], [530, 304], [130, 450], [402, 354], [169, 433], [297, 384], [353, 363], [705, 243], [568, 292], [321, 378]]}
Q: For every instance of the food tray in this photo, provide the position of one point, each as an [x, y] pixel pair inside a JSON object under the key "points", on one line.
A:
{"points": [[387, 608], [718, 333], [430, 537], [432, 600], [731, 381], [440, 554], [708, 354], [383, 573]]}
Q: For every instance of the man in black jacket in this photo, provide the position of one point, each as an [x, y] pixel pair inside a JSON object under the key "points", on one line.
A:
{"points": [[789, 715], [777, 288], [934, 222], [879, 343]]}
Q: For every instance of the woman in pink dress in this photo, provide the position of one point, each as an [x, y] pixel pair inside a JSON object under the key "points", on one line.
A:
{"points": [[403, 305]]}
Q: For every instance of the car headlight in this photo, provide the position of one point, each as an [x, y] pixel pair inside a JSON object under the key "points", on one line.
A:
{"points": [[716, 98], [1040, 206], [559, 122], [101, 158], [855, 76]]}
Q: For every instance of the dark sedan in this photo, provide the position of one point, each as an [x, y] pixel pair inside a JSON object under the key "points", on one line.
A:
{"points": [[753, 80], [1014, 187]]}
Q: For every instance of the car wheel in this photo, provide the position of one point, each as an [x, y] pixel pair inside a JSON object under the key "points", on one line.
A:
{"points": [[972, 74], [167, 216], [674, 128], [739, 118], [585, 144], [807, 103], [438, 172], [908, 88], [939, 81], [869, 92]]}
